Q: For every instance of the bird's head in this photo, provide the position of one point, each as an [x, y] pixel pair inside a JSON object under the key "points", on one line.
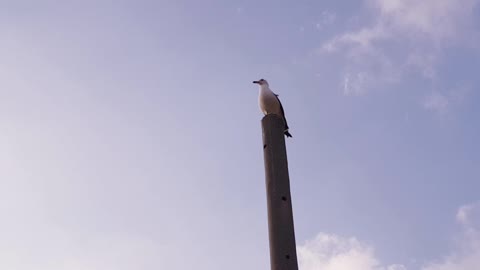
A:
{"points": [[261, 82]]}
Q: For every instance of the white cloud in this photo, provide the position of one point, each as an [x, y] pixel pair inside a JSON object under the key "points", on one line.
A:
{"points": [[332, 252], [434, 19], [410, 35], [360, 41]]}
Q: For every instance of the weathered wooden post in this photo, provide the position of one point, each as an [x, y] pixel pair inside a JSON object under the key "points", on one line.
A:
{"points": [[283, 255]]}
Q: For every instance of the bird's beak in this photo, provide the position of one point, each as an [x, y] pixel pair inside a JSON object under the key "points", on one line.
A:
{"points": [[257, 82]]}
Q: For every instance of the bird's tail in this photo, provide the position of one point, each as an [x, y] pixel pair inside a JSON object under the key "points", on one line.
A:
{"points": [[287, 133]]}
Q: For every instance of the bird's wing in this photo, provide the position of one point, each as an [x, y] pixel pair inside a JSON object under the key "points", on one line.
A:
{"points": [[281, 110]]}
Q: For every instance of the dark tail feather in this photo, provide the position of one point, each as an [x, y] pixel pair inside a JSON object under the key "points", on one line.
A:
{"points": [[287, 133]]}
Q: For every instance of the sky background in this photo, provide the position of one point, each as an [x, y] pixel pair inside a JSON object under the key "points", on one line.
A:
{"points": [[131, 138]]}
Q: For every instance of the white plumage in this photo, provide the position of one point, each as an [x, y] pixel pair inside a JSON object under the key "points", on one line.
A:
{"points": [[270, 103]]}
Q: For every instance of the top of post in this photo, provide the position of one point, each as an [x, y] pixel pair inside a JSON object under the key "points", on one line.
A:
{"points": [[273, 121], [273, 127]]}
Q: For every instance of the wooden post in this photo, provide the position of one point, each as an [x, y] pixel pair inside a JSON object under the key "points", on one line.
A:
{"points": [[283, 255]]}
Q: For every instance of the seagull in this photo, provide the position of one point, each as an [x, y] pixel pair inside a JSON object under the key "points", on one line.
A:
{"points": [[270, 103]]}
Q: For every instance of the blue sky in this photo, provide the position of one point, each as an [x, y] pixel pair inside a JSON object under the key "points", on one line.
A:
{"points": [[131, 134]]}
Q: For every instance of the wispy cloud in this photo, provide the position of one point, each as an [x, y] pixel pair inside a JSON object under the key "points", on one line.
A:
{"points": [[326, 18], [469, 217], [332, 252], [436, 102], [443, 103], [405, 36], [467, 255]]}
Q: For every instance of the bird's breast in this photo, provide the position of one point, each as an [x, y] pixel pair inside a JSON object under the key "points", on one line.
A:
{"points": [[268, 103]]}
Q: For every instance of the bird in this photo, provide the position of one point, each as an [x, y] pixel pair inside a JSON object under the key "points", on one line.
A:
{"points": [[270, 103]]}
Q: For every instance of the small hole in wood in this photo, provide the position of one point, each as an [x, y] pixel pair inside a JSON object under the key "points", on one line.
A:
{"points": [[264, 146], [284, 198], [287, 256]]}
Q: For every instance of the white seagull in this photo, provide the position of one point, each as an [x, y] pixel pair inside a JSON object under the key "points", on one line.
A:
{"points": [[269, 103]]}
